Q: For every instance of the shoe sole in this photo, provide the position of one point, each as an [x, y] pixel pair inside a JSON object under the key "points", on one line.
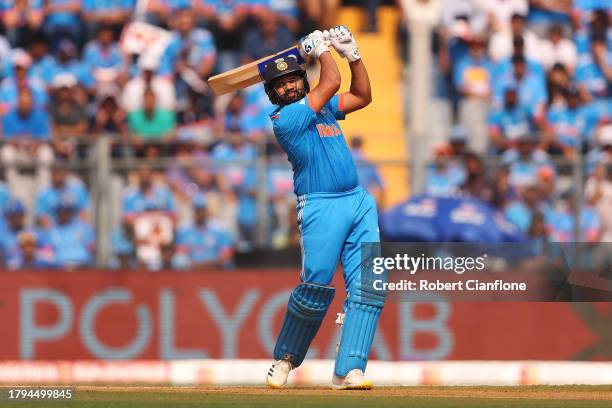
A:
{"points": [[365, 385]]}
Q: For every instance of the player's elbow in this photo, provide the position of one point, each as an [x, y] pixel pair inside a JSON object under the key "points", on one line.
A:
{"points": [[334, 82], [367, 99]]}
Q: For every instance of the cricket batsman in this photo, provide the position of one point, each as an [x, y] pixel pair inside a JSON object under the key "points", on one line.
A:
{"points": [[334, 214]]}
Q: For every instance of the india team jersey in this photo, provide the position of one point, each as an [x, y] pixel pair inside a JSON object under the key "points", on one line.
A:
{"points": [[315, 146]]}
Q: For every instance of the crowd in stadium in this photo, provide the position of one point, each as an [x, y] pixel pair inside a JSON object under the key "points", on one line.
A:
{"points": [[529, 81], [530, 87]]}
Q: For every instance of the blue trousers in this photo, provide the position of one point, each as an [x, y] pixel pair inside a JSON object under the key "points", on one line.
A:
{"points": [[332, 228]]}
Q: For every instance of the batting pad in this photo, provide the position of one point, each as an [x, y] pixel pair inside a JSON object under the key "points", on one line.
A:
{"points": [[307, 306], [362, 311]]}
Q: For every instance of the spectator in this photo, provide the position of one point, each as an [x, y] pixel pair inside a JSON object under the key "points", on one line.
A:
{"points": [[149, 209], [62, 21], [132, 97], [602, 150], [195, 119], [30, 255], [584, 10], [598, 26], [267, 37], [367, 172], [521, 212], [191, 53], [147, 196], [504, 70], [69, 119], [191, 171], [63, 185], [151, 123], [104, 59], [243, 179], [473, 73], [257, 110], [595, 114], [510, 122], [598, 192], [43, 64], [230, 117], [503, 192], [67, 62], [190, 57], [122, 246], [442, 179], [280, 195], [205, 243], [13, 223], [157, 12], [545, 14], [562, 222], [21, 18], [113, 14], [476, 183], [524, 161], [501, 45], [567, 126], [546, 182], [26, 136], [594, 69], [168, 260], [529, 84], [18, 79], [109, 117], [72, 239], [559, 78], [558, 50], [473, 76], [226, 21]]}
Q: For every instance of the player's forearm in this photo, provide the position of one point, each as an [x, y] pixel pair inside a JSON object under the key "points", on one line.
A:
{"points": [[360, 82], [330, 75]]}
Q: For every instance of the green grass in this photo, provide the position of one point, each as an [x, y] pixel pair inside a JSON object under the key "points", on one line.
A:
{"points": [[426, 397]]}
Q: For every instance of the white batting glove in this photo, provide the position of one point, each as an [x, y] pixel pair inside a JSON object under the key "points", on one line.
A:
{"points": [[313, 45], [344, 43]]}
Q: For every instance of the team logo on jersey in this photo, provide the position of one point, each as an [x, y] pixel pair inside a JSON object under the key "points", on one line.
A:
{"points": [[328, 131], [281, 65]]}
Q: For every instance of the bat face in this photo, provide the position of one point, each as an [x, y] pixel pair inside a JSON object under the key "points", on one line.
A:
{"points": [[248, 74]]}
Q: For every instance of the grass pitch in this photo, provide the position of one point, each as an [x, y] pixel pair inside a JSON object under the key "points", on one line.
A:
{"points": [[381, 397]]}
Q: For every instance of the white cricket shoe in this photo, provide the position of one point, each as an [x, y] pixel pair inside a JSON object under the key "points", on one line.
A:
{"points": [[278, 373], [354, 380]]}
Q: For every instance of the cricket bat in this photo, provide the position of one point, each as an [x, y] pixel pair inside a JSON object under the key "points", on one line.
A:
{"points": [[248, 74]]}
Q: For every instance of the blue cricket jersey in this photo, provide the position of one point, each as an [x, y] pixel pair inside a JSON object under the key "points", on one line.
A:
{"points": [[315, 146]]}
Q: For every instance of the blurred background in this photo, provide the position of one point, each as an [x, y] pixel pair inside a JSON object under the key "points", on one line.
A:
{"points": [[130, 194]]}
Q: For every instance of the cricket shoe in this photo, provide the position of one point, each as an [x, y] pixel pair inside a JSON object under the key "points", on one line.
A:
{"points": [[354, 380], [278, 373]]}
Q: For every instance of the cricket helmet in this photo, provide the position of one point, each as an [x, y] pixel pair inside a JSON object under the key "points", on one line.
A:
{"points": [[279, 68]]}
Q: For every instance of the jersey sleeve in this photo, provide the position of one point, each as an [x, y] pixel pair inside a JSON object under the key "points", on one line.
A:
{"points": [[291, 121], [336, 106]]}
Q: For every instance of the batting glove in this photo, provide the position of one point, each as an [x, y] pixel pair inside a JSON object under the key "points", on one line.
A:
{"points": [[313, 45], [343, 42]]}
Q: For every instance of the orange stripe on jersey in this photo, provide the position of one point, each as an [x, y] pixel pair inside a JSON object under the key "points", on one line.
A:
{"points": [[341, 102]]}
